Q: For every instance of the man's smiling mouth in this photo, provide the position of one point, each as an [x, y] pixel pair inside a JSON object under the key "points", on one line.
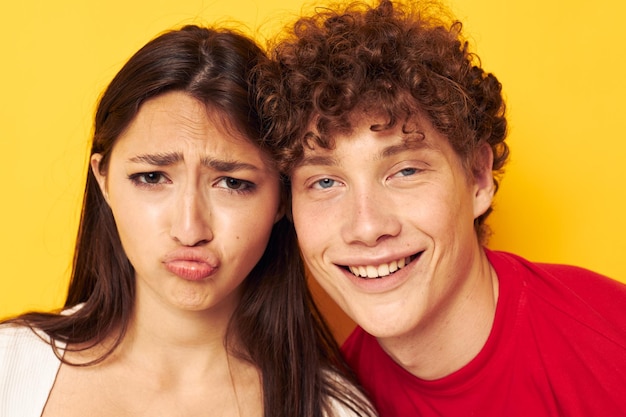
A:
{"points": [[382, 270]]}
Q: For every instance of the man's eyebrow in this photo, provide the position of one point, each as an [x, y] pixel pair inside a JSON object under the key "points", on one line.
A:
{"points": [[412, 142], [317, 160], [407, 144], [171, 158]]}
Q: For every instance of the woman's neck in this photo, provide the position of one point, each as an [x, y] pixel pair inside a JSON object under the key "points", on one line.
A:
{"points": [[167, 359]]}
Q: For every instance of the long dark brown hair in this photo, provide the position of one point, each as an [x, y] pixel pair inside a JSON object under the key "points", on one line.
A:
{"points": [[277, 325]]}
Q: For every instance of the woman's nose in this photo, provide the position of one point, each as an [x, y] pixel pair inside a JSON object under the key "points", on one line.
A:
{"points": [[191, 219]]}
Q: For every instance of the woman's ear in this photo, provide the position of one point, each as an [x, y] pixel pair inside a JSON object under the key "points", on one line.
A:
{"points": [[280, 213], [484, 187], [96, 158], [284, 207]]}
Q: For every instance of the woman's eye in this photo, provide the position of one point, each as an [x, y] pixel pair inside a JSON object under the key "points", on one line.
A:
{"points": [[148, 178], [235, 184], [152, 177], [324, 183]]}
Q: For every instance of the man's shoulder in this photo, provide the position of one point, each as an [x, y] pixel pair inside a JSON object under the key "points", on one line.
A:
{"points": [[565, 292], [575, 278]]}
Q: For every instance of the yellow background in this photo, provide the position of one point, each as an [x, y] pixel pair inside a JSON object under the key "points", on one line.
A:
{"points": [[563, 68]]}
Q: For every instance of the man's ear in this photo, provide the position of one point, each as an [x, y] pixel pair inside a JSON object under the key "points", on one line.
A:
{"points": [[96, 158], [484, 187]]}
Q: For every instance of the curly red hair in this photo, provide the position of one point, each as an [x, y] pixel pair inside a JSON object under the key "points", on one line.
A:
{"points": [[396, 59]]}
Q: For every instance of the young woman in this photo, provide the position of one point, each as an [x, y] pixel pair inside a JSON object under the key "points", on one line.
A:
{"points": [[187, 295]]}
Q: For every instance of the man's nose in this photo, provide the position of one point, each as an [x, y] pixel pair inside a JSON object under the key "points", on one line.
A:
{"points": [[369, 219]]}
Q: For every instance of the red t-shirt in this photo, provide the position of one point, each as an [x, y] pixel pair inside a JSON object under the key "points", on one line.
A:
{"points": [[557, 348]]}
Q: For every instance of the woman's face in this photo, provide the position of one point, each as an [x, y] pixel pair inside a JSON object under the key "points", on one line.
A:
{"points": [[193, 200]]}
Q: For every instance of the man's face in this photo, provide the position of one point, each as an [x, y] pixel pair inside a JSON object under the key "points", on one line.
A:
{"points": [[385, 224]]}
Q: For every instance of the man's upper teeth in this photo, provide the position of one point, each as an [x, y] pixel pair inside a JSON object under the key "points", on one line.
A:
{"points": [[375, 271]]}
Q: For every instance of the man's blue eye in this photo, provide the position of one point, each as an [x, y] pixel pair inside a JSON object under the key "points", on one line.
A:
{"points": [[326, 183], [408, 171]]}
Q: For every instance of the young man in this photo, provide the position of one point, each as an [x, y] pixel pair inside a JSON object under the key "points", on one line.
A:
{"points": [[393, 138]]}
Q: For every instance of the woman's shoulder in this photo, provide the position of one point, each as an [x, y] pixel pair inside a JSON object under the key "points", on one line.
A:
{"points": [[15, 337], [23, 348], [355, 403], [28, 367], [339, 409]]}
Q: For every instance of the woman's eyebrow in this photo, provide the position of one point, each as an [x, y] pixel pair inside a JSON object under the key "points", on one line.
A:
{"points": [[171, 158], [228, 166], [158, 159]]}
